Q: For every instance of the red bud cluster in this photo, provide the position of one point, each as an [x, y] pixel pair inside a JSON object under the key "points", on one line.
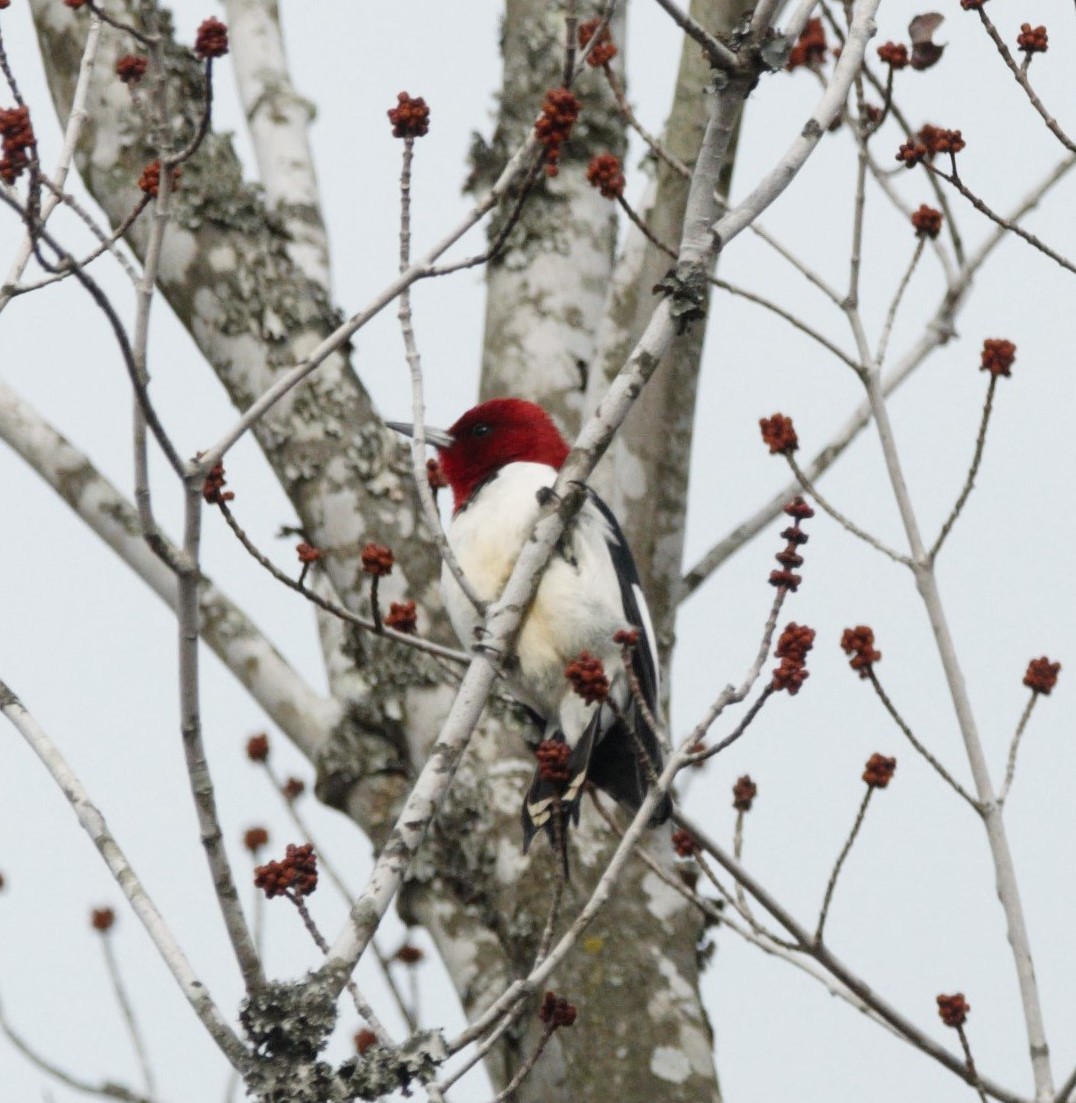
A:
{"points": [[684, 843], [879, 771], [859, 643], [556, 1011], [795, 538], [102, 919], [410, 117], [939, 140], [131, 68], [552, 756], [211, 40], [213, 488], [744, 793], [377, 560], [295, 875], [587, 675], [998, 356], [364, 1040], [779, 434], [258, 747], [150, 180], [893, 54], [605, 173], [810, 47], [792, 647], [554, 125], [604, 50], [293, 789], [18, 138], [408, 954], [953, 1010], [308, 553], [1041, 676], [911, 153], [927, 221], [1033, 40], [254, 838], [403, 617]]}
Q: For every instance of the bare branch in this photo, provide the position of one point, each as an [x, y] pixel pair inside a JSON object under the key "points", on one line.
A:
{"points": [[93, 823], [969, 482], [201, 783], [1019, 73], [127, 1011], [836, 968], [831, 887], [941, 771], [1014, 747]]}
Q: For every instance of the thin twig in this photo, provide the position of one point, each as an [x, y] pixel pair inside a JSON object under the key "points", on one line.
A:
{"points": [[718, 53], [104, 304], [418, 406], [328, 867], [969, 482], [76, 119], [800, 266], [831, 887], [108, 1089], [792, 320], [107, 245], [93, 823], [571, 20], [338, 611], [126, 1010], [1014, 747], [840, 518], [730, 695], [201, 783], [1019, 72], [942, 772], [973, 1075], [640, 224], [524, 1070], [655, 145], [558, 852], [752, 712], [835, 967], [891, 313], [858, 208], [147, 40], [1008, 224], [936, 332], [357, 998], [1006, 883]]}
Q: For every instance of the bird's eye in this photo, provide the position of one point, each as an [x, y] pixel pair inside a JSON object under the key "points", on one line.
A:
{"points": [[480, 430]]}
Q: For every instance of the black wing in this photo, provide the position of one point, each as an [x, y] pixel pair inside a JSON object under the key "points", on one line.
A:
{"points": [[617, 763], [631, 594]]}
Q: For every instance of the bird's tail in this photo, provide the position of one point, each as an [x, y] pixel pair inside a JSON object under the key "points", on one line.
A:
{"points": [[552, 801], [624, 763]]}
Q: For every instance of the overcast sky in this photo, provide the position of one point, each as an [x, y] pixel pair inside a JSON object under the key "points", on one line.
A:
{"points": [[91, 651]]}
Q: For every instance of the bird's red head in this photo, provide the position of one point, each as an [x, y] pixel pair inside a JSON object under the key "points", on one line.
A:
{"points": [[499, 432]]}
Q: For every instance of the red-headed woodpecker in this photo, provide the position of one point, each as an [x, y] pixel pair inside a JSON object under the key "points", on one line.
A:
{"points": [[498, 459]]}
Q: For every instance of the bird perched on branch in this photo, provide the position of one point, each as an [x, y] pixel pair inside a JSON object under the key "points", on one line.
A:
{"points": [[499, 459]]}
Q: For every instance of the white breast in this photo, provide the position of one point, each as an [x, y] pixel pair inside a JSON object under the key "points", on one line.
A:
{"points": [[578, 604]]}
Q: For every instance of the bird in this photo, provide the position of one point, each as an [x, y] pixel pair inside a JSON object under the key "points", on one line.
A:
{"points": [[500, 460]]}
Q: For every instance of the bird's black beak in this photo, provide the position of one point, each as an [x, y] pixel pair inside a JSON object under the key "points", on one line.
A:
{"points": [[437, 437]]}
